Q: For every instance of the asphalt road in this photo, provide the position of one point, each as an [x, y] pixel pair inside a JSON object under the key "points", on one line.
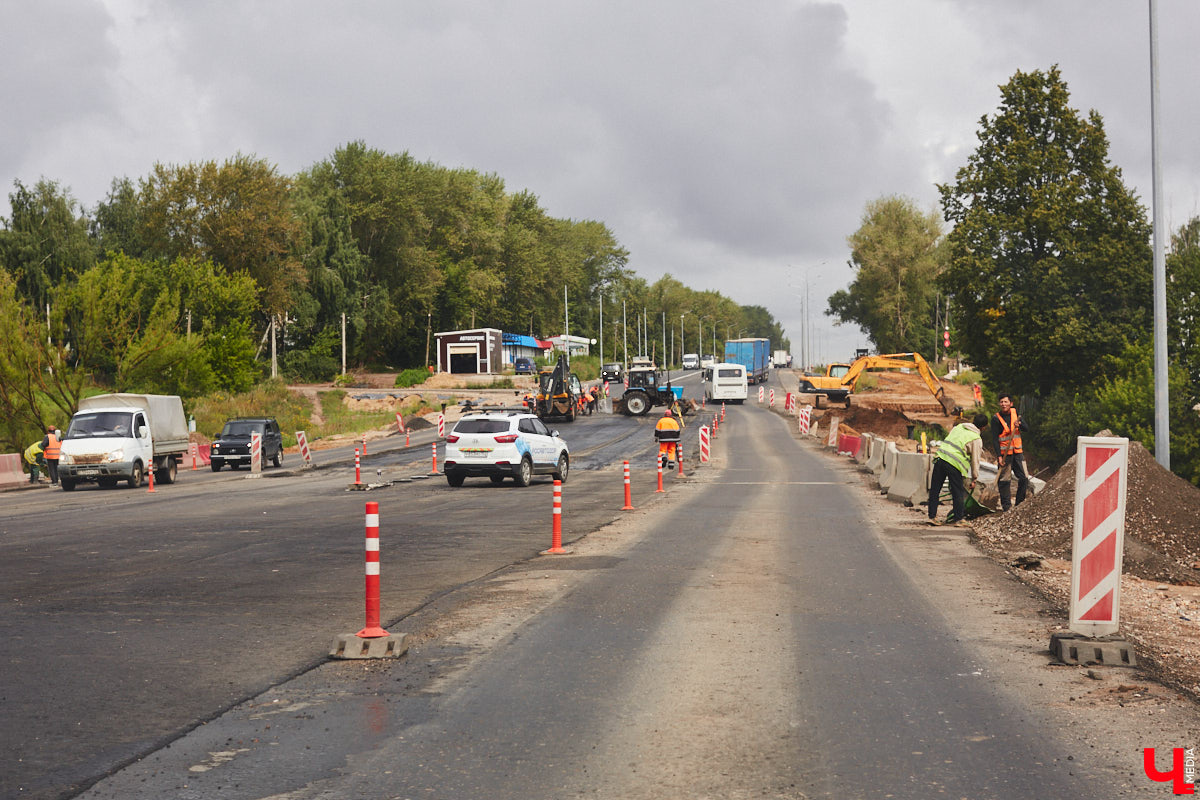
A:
{"points": [[128, 618], [758, 636]]}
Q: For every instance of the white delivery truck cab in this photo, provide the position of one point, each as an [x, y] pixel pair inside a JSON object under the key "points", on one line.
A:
{"points": [[118, 437], [726, 382]]}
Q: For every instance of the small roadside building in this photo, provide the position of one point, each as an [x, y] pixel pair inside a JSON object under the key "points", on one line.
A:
{"points": [[479, 351], [579, 345], [518, 345]]}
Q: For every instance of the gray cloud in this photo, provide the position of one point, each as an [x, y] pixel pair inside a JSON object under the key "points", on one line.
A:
{"points": [[733, 147]]}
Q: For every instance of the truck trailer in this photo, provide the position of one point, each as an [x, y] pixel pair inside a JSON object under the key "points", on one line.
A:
{"points": [[753, 354]]}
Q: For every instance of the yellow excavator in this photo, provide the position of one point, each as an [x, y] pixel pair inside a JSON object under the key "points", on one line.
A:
{"points": [[901, 361]]}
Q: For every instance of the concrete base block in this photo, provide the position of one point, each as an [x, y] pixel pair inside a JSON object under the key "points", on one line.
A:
{"points": [[1074, 648], [349, 645]]}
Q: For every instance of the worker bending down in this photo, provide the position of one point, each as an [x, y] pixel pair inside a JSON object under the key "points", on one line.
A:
{"points": [[666, 432]]}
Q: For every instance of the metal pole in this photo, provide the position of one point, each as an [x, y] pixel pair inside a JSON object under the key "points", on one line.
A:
{"points": [[601, 327], [1162, 431], [566, 327], [343, 343], [624, 335]]}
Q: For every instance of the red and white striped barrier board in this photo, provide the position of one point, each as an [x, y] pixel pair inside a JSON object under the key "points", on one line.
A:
{"points": [[760, 394], [1098, 535], [372, 630], [255, 453], [772, 395], [804, 417], [441, 426], [399, 423], [302, 440], [834, 424], [704, 444]]}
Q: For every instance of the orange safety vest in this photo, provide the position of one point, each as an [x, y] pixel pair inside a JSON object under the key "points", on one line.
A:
{"points": [[1010, 434], [52, 447]]}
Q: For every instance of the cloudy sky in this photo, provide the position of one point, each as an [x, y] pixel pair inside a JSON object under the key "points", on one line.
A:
{"points": [[732, 145]]}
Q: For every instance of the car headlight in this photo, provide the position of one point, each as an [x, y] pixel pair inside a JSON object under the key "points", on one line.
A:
{"points": [[64, 458], [115, 455], [216, 446]]}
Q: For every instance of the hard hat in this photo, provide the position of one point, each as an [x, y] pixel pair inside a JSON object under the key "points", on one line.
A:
{"points": [[667, 413]]}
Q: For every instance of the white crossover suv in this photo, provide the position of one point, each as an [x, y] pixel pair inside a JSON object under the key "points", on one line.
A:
{"points": [[502, 444]]}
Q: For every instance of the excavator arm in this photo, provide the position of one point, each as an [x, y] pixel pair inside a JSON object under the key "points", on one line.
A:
{"points": [[903, 361]]}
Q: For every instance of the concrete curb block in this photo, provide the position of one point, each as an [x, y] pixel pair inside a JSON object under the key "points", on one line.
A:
{"points": [[890, 458], [864, 449], [910, 485], [11, 471], [875, 459]]}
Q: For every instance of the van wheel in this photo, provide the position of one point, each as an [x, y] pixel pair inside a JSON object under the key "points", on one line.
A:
{"points": [[167, 474], [135, 476], [67, 484]]}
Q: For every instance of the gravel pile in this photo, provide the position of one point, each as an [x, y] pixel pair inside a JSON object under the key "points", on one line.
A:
{"points": [[1162, 521]]}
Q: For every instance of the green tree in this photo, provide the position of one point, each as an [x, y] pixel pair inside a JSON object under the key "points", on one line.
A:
{"points": [[1049, 262], [1183, 301], [239, 215], [45, 243], [896, 259]]}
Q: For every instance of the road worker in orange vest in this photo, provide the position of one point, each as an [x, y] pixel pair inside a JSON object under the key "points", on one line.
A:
{"points": [[1010, 455], [51, 447], [666, 432]]}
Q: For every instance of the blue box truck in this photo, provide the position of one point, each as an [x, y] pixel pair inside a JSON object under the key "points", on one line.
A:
{"points": [[753, 354]]}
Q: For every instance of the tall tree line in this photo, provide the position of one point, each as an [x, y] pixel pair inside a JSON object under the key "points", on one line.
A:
{"points": [[170, 283]]}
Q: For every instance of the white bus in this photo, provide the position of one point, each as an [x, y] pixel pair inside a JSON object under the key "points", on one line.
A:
{"points": [[724, 381]]}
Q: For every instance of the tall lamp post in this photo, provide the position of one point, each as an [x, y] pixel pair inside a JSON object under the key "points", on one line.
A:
{"points": [[682, 340]]}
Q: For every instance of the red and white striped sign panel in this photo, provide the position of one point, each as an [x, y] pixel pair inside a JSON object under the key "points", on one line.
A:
{"points": [[1098, 538], [804, 418]]}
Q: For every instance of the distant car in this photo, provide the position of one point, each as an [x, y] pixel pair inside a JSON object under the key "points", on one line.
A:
{"points": [[614, 373], [523, 366], [707, 360], [691, 361], [232, 446], [504, 444]]}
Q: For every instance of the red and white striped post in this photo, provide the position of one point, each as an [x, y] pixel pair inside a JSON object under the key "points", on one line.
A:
{"points": [[679, 458], [704, 444], [658, 466], [1097, 541], [364, 443], [441, 426], [302, 441], [255, 453], [772, 403], [760, 394], [194, 449], [150, 474], [716, 425], [433, 446], [372, 629], [722, 411], [357, 469], [556, 546], [628, 491], [803, 419]]}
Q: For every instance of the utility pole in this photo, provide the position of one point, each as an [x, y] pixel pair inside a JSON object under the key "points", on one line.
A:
{"points": [[1162, 430], [624, 336], [274, 360], [344, 343]]}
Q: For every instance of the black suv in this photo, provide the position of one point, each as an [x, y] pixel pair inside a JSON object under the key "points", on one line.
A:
{"points": [[232, 447], [612, 372]]}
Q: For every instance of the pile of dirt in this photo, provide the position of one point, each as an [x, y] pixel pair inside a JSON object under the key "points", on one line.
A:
{"points": [[1162, 521]]}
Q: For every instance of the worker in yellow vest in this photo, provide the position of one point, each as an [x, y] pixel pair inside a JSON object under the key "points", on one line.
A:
{"points": [[33, 457], [956, 462], [51, 447], [1010, 454]]}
